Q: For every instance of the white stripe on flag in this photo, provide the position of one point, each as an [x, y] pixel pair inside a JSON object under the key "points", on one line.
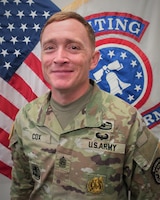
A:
{"points": [[6, 90], [5, 156], [37, 51], [5, 126], [32, 80]]}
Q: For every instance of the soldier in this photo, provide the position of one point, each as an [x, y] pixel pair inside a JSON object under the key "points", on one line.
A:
{"points": [[77, 141]]}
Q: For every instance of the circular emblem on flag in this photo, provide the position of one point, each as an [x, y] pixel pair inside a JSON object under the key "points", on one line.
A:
{"points": [[123, 70]]}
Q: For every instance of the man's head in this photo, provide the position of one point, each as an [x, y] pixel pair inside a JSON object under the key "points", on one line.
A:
{"points": [[68, 54]]}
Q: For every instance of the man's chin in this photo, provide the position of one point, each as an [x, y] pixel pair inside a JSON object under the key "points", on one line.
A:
{"points": [[60, 87]]}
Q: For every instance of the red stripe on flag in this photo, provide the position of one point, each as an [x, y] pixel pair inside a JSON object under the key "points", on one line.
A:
{"points": [[4, 138], [8, 108], [5, 169], [20, 85], [35, 64]]}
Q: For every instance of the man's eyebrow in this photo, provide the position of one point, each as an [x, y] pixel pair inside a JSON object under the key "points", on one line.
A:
{"points": [[76, 42], [72, 41], [49, 41], [67, 41]]}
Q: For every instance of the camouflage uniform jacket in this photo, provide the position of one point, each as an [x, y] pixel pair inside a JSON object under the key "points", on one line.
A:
{"points": [[105, 151]]}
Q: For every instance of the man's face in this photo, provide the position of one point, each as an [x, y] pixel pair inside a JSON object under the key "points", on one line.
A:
{"points": [[67, 56]]}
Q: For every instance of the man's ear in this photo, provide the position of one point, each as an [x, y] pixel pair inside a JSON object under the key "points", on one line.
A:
{"points": [[95, 59]]}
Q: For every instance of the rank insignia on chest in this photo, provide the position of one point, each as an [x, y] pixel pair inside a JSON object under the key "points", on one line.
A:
{"points": [[62, 162], [96, 185]]}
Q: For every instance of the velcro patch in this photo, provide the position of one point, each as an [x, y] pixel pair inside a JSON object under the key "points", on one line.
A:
{"points": [[36, 173]]}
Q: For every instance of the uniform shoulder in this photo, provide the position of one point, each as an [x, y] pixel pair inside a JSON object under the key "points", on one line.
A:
{"points": [[116, 101], [35, 105], [114, 107]]}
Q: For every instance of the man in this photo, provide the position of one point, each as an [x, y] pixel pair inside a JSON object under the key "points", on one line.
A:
{"points": [[78, 141]]}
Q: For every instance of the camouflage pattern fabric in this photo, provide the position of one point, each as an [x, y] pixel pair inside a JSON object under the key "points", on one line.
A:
{"points": [[105, 151]]}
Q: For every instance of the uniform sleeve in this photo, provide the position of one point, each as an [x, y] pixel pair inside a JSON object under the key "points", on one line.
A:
{"points": [[146, 172], [22, 183]]}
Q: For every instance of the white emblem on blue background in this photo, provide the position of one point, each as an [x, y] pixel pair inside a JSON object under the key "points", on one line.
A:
{"points": [[120, 71]]}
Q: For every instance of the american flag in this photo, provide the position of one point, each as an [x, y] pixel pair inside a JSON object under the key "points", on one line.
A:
{"points": [[21, 78]]}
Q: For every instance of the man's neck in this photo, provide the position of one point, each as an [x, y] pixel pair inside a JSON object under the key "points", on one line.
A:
{"points": [[65, 97]]}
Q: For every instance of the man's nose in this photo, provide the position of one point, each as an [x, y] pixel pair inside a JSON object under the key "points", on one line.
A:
{"points": [[60, 55]]}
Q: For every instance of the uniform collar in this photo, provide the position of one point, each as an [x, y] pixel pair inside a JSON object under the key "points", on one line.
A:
{"points": [[90, 116]]}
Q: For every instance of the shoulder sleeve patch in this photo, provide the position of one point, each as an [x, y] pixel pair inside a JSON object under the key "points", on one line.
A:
{"points": [[156, 170]]}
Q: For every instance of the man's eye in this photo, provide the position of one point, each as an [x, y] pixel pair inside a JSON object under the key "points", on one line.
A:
{"points": [[49, 48], [73, 47]]}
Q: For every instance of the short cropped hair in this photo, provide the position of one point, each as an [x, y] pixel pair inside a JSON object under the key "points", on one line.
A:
{"points": [[63, 15]]}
